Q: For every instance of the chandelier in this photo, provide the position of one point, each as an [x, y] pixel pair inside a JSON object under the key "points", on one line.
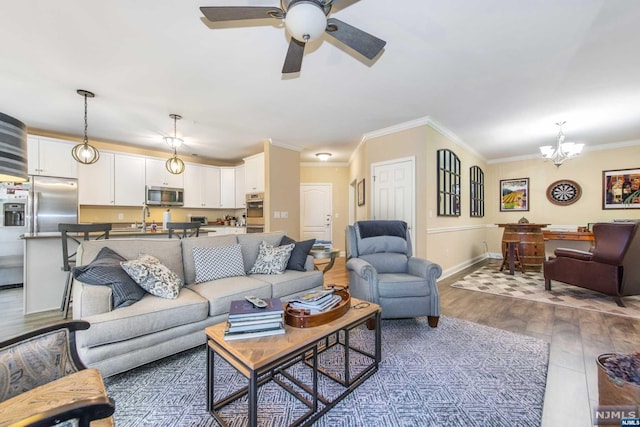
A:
{"points": [[85, 153], [563, 150], [174, 165]]}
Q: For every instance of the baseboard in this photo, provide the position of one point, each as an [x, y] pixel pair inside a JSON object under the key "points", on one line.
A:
{"points": [[458, 268]]}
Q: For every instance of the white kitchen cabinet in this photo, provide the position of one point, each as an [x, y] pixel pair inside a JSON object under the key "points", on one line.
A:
{"points": [[95, 182], [51, 157], [254, 173], [114, 180], [227, 188], [240, 188], [129, 180], [201, 186], [157, 175]]}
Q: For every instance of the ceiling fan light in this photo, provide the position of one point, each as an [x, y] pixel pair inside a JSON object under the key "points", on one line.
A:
{"points": [[323, 156], [305, 21]]}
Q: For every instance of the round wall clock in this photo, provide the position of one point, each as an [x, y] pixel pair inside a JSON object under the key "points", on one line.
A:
{"points": [[564, 192]]}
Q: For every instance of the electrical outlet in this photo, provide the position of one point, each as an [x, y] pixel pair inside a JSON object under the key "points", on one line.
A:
{"points": [[120, 216]]}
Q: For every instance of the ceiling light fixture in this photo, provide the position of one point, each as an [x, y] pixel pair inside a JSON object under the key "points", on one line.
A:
{"points": [[305, 21], [85, 153], [13, 150], [563, 150], [173, 141], [323, 156], [175, 165]]}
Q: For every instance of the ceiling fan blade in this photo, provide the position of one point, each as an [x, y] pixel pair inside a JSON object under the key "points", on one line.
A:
{"points": [[224, 13], [293, 61], [358, 40]]}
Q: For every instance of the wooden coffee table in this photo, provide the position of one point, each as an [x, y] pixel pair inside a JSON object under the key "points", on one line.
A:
{"points": [[265, 359]]}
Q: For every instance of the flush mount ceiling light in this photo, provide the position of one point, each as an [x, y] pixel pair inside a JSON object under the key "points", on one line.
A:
{"points": [[13, 149], [175, 165], [323, 156], [563, 150], [85, 153], [173, 141]]}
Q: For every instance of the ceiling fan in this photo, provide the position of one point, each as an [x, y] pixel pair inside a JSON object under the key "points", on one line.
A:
{"points": [[304, 20]]}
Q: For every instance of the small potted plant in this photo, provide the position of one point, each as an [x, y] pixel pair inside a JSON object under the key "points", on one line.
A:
{"points": [[619, 379]]}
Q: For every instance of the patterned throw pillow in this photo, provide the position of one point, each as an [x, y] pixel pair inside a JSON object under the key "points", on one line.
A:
{"points": [[218, 262], [271, 259], [153, 276], [105, 270]]}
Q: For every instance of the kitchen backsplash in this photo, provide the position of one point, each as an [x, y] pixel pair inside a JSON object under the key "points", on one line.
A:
{"points": [[117, 214]]}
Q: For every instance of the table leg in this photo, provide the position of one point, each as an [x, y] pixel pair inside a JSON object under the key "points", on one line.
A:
{"points": [[512, 256], [252, 399]]}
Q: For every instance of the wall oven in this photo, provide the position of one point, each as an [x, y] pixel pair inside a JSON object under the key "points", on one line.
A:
{"points": [[165, 196], [255, 212]]}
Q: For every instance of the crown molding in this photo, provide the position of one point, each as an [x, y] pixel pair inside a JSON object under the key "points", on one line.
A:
{"points": [[287, 146]]}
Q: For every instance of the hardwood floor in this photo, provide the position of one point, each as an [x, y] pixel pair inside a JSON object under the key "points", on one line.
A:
{"points": [[576, 337]]}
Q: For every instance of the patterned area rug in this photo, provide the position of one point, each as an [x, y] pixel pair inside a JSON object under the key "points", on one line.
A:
{"points": [[459, 374], [530, 286]]}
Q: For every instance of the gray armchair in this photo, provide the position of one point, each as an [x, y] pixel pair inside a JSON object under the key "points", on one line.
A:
{"points": [[382, 270]]}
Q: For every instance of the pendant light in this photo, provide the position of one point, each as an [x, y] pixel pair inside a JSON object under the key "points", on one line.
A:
{"points": [[85, 153], [174, 165], [13, 150]]}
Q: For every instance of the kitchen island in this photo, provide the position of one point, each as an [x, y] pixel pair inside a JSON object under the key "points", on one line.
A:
{"points": [[43, 276]]}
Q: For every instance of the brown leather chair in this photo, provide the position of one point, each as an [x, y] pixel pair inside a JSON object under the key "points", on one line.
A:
{"points": [[611, 267]]}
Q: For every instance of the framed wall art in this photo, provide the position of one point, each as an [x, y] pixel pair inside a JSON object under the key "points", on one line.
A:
{"points": [[360, 191], [514, 195], [621, 189]]}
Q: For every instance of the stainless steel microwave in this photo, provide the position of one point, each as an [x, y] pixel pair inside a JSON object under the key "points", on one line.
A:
{"points": [[165, 196]]}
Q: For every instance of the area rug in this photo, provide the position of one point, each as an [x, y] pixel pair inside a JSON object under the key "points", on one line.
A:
{"points": [[530, 286], [458, 374]]}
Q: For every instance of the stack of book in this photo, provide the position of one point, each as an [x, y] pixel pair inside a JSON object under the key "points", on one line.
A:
{"points": [[248, 321], [316, 302], [322, 245]]}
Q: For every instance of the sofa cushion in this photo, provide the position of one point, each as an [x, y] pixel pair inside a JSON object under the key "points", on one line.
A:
{"points": [[398, 285], [292, 282], [271, 259], [299, 254], [153, 276], [251, 245], [201, 242], [217, 263], [221, 292], [168, 251], [149, 315], [105, 269]]}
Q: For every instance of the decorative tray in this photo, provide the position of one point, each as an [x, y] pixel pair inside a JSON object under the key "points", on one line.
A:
{"points": [[298, 319]]}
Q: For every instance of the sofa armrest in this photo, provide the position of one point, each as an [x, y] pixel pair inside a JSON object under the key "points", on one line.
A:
{"points": [[309, 264], [89, 300], [573, 253], [363, 280]]}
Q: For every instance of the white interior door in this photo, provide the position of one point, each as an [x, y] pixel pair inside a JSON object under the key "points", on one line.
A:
{"points": [[315, 211], [393, 191]]}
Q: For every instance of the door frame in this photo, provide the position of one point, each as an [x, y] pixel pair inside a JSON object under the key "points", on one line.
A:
{"points": [[411, 224]]}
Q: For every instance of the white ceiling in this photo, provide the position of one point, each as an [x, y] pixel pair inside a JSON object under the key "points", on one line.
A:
{"points": [[498, 74]]}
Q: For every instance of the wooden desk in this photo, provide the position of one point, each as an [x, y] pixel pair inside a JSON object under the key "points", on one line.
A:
{"points": [[568, 235], [531, 247]]}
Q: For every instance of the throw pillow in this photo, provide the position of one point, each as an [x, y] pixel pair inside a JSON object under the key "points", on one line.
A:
{"points": [[105, 270], [153, 276], [271, 259], [218, 262], [299, 254]]}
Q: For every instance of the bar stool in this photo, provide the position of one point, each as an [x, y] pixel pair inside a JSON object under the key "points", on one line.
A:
{"points": [[189, 229], [511, 254], [69, 261]]}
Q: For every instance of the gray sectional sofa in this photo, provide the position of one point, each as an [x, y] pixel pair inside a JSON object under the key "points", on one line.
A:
{"points": [[152, 328]]}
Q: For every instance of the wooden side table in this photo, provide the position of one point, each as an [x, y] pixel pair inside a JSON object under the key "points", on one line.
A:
{"points": [[324, 254]]}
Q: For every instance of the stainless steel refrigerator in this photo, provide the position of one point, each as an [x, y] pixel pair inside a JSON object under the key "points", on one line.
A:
{"points": [[51, 201]]}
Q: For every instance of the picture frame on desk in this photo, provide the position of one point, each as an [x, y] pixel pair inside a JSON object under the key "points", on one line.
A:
{"points": [[514, 195], [621, 189]]}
